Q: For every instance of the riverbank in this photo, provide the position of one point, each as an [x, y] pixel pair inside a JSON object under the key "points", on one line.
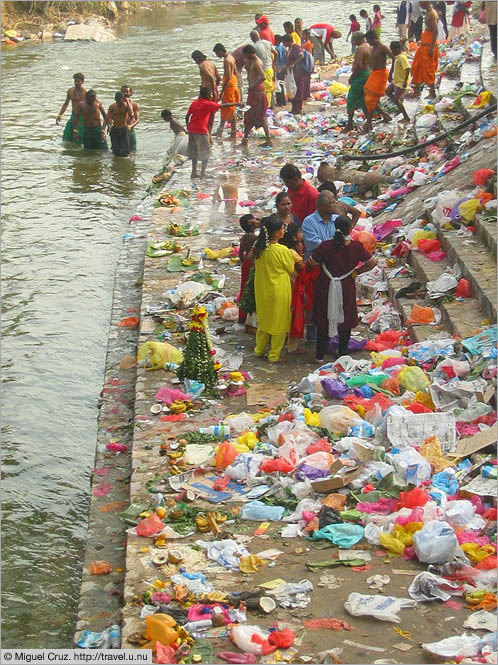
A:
{"points": [[255, 173]]}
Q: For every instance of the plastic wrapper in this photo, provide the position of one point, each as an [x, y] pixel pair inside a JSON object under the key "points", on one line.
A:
{"points": [[257, 510], [462, 646], [410, 466], [337, 418], [343, 535], [435, 543], [384, 608]]}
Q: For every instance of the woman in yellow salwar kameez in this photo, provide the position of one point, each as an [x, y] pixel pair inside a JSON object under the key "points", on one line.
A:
{"points": [[274, 266]]}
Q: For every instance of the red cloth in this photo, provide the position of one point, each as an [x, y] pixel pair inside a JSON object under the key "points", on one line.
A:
{"points": [[258, 101], [267, 33], [324, 26], [245, 269], [302, 300], [201, 110], [355, 26], [338, 262], [303, 200], [459, 16]]}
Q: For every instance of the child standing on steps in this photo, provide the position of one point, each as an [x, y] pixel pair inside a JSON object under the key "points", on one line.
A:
{"points": [[274, 266], [249, 224]]}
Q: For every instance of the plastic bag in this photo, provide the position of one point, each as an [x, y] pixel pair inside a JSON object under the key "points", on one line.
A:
{"points": [[480, 176], [384, 229], [413, 379], [337, 419], [225, 455], [385, 608], [290, 84], [421, 315], [436, 543], [427, 586], [160, 628], [412, 499], [459, 513], [259, 511], [468, 209], [410, 466], [335, 388], [428, 245], [343, 535], [165, 654], [243, 636], [368, 241], [463, 289], [337, 89], [149, 526], [157, 354], [462, 646]]}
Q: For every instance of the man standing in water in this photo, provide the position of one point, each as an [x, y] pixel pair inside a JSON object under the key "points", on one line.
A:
{"points": [[134, 116], [93, 133], [426, 60], [75, 95], [229, 90], [359, 75], [375, 87], [256, 96], [117, 118]]}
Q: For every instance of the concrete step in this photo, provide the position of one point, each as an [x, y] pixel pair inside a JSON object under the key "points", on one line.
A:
{"points": [[478, 265], [487, 231]]}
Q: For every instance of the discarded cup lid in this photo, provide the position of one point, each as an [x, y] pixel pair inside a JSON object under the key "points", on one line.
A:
{"points": [[267, 604], [155, 409], [175, 556], [160, 559]]}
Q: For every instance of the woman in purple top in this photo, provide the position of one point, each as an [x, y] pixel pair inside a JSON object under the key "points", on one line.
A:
{"points": [[334, 302], [293, 63]]}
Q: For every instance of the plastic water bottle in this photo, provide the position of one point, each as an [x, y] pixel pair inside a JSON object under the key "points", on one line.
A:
{"points": [[217, 430], [172, 367], [198, 626]]}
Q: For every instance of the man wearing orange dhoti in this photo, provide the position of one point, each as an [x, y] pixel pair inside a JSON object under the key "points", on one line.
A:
{"points": [[426, 60], [229, 90], [375, 86]]}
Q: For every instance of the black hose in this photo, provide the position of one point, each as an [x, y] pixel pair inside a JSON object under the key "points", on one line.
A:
{"points": [[419, 146]]}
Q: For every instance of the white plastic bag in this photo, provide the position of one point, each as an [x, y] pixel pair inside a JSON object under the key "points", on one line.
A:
{"points": [[337, 418], [459, 513], [384, 608], [241, 635], [290, 84], [436, 542], [459, 646], [409, 457]]}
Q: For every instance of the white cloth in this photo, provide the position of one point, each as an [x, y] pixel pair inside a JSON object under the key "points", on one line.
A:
{"points": [[441, 35], [321, 33], [335, 309], [263, 51]]}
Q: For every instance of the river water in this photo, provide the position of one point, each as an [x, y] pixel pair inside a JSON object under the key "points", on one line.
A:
{"points": [[64, 212]]}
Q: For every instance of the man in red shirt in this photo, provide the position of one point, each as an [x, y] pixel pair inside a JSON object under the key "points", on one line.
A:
{"points": [[321, 35], [197, 121], [301, 193], [265, 32]]}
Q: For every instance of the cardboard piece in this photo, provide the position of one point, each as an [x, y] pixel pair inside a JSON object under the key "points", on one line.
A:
{"points": [[334, 481], [262, 393], [204, 489], [487, 395], [472, 444]]}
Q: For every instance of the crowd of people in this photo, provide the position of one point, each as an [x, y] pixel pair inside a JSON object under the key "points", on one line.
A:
{"points": [[298, 273]]}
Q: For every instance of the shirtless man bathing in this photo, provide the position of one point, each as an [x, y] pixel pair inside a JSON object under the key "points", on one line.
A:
{"points": [[256, 96], [359, 75], [229, 91], [93, 132], [75, 95], [118, 119], [375, 87]]}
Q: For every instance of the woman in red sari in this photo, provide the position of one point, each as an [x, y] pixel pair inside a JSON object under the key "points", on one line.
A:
{"points": [[293, 64]]}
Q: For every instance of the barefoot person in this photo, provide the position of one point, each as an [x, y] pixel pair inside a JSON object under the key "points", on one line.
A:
{"points": [[426, 60], [117, 118], [179, 145], [134, 116], [75, 95], [375, 87], [322, 36], [293, 63], [210, 78], [93, 133], [266, 53], [256, 96], [229, 90], [334, 303], [399, 76], [359, 76], [197, 121]]}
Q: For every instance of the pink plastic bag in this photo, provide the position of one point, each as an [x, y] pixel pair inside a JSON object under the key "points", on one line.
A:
{"points": [[232, 657], [165, 654], [416, 515], [383, 506], [386, 228], [169, 395]]}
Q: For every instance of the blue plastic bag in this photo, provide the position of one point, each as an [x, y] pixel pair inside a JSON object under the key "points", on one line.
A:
{"points": [[343, 535], [259, 511]]}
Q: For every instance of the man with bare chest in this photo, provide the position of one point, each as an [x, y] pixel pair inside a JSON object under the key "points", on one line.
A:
{"points": [[376, 84], [118, 118], [75, 95], [90, 110], [210, 78], [359, 75], [134, 116], [229, 90], [256, 96]]}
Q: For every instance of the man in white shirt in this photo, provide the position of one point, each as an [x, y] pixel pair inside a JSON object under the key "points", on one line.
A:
{"points": [[265, 52]]}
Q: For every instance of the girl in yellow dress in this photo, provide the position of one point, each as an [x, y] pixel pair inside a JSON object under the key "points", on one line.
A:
{"points": [[274, 266]]}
